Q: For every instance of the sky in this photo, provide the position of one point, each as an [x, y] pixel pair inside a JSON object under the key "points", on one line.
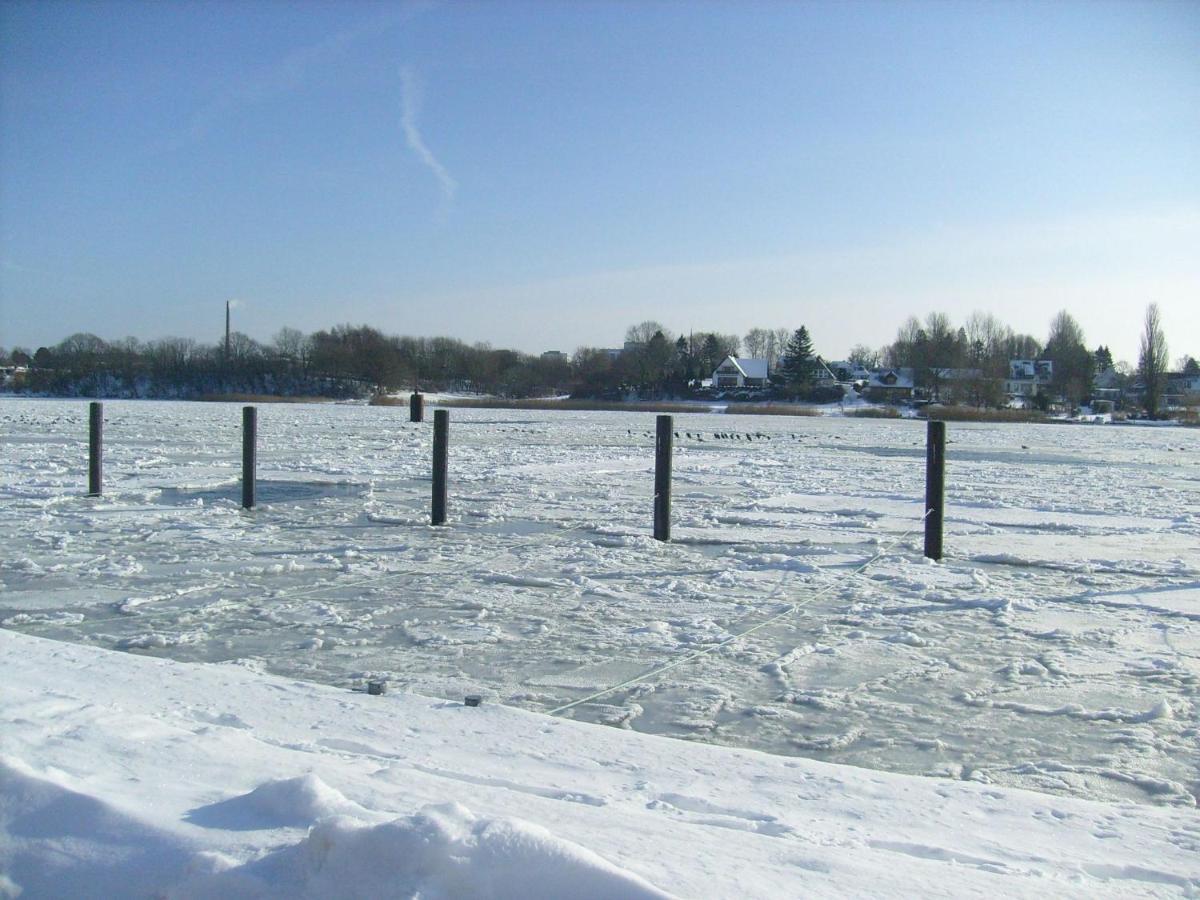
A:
{"points": [[543, 175]]}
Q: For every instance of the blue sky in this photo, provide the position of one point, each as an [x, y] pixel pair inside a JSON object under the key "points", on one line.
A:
{"points": [[543, 175]]}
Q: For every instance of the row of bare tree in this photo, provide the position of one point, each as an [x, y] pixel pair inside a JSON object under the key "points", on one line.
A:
{"points": [[347, 360]]}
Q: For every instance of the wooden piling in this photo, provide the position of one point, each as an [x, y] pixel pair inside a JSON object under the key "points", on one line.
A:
{"points": [[663, 451], [95, 448], [249, 454], [441, 446], [416, 407], [935, 487]]}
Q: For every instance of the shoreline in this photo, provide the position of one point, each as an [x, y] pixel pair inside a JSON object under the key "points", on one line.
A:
{"points": [[683, 407]]}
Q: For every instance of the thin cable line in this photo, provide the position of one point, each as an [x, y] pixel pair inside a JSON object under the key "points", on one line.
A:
{"points": [[712, 648]]}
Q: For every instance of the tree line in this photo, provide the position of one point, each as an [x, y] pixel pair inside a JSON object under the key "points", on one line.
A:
{"points": [[359, 360], [967, 362], [972, 359], [343, 361]]}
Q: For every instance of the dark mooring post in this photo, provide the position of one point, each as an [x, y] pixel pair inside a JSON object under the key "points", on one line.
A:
{"points": [[664, 443], [441, 446], [416, 407], [935, 487], [95, 448], [249, 454]]}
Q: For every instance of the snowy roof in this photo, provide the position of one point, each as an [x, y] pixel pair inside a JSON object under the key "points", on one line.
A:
{"points": [[892, 378], [856, 370], [750, 367]]}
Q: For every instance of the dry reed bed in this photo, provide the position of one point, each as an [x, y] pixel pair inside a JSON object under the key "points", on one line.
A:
{"points": [[262, 398], [970, 414], [574, 405]]}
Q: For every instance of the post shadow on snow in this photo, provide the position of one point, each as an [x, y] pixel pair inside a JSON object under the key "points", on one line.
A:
{"points": [[285, 803], [241, 814], [267, 492]]}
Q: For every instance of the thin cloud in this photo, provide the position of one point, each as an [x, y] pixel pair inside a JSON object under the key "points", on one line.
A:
{"points": [[268, 81], [410, 100]]}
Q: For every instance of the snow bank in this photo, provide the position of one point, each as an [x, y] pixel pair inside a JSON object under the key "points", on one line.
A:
{"points": [[441, 852], [127, 776], [58, 842]]}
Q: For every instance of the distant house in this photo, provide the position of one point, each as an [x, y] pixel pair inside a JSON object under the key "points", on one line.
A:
{"points": [[825, 375], [1028, 377], [555, 356], [12, 374], [1107, 385], [740, 372], [845, 371], [889, 385], [1181, 388]]}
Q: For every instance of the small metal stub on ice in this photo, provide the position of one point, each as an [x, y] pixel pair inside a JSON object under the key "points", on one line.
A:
{"points": [[376, 687], [472, 700]]}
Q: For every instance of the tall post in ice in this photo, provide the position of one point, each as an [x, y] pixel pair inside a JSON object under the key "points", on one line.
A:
{"points": [[249, 454], [441, 447], [416, 407], [935, 487], [95, 448], [663, 450]]}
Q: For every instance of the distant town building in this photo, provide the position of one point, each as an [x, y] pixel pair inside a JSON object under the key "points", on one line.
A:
{"points": [[1108, 386], [1182, 388], [555, 356], [890, 385], [1028, 377], [740, 372], [847, 371]]}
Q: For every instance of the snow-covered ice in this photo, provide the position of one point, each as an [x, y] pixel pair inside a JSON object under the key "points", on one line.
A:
{"points": [[126, 776], [1056, 648]]}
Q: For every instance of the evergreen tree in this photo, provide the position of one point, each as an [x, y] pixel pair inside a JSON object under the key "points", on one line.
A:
{"points": [[710, 354], [659, 355], [798, 360], [1104, 360]]}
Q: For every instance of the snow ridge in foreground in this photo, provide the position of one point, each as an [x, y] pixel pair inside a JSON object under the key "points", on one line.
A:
{"points": [[77, 845], [131, 776]]}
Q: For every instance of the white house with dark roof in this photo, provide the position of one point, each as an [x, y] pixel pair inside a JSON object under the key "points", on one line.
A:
{"points": [[1028, 377], [740, 372], [890, 385]]}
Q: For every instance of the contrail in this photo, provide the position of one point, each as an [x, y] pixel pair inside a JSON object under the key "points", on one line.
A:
{"points": [[411, 104]]}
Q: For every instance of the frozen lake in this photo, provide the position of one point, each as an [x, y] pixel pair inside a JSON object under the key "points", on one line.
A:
{"points": [[1057, 647]]}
